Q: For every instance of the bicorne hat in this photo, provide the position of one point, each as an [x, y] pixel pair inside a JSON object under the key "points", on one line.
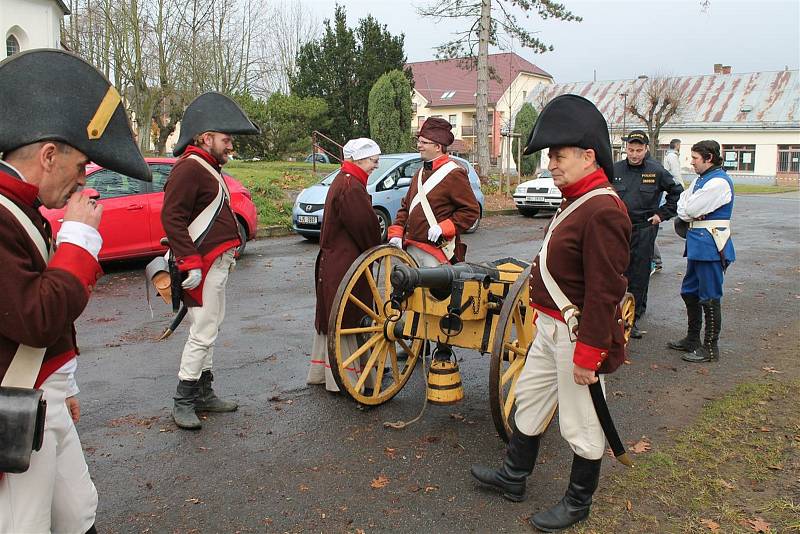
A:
{"points": [[53, 95], [213, 112], [571, 120]]}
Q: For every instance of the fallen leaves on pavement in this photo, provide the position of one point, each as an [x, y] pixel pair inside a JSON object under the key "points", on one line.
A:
{"points": [[713, 526], [380, 482], [758, 525]]}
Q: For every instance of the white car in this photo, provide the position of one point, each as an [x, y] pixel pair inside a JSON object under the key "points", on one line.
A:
{"points": [[539, 194]]}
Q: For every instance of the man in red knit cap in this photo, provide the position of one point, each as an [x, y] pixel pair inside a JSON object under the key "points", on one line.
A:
{"points": [[576, 283]]}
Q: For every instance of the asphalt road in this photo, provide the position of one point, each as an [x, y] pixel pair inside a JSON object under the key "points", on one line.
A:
{"points": [[296, 458]]}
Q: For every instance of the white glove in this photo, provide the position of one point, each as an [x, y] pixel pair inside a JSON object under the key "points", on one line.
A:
{"points": [[434, 233], [396, 242], [193, 279]]}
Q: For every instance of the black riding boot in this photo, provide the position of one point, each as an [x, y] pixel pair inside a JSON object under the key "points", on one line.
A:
{"points": [[517, 466], [574, 507], [207, 400], [92, 530], [694, 313], [709, 351], [183, 411]]}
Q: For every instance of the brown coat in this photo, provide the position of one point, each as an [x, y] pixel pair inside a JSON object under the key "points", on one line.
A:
{"points": [[349, 227], [452, 199], [40, 301], [587, 257]]}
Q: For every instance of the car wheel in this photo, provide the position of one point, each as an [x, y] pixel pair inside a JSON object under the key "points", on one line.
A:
{"points": [[528, 212], [242, 238], [472, 229], [384, 222]]}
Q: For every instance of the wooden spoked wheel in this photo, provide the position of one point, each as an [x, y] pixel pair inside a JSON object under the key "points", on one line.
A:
{"points": [[627, 307], [372, 373], [512, 339]]}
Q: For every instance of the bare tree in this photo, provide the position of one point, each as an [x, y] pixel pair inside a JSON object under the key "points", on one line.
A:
{"points": [[656, 102], [490, 22]]}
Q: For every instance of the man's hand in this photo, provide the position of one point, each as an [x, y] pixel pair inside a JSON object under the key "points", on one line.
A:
{"points": [[74, 408], [583, 377], [655, 220], [193, 279], [83, 209], [434, 233], [396, 242]]}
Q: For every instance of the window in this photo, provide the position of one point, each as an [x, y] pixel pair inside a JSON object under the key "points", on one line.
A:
{"points": [[789, 158], [739, 157], [452, 119], [12, 45], [661, 152], [160, 175], [111, 184]]}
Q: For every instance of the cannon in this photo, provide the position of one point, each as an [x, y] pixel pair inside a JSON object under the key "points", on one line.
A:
{"points": [[482, 307]]}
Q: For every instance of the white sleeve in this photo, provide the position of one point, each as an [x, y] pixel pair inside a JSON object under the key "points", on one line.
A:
{"points": [[82, 235], [693, 205]]}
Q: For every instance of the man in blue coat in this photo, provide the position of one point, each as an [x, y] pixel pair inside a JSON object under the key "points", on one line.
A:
{"points": [[706, 206]]}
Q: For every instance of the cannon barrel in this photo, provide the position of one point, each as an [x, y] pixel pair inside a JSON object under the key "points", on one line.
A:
{"points": [[405, 279]]}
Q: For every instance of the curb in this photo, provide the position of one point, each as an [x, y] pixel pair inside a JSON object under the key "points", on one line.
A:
{"points": [[282, 231]]}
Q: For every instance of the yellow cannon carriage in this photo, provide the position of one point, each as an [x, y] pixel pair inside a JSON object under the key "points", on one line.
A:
{"points": [[483, 307]]}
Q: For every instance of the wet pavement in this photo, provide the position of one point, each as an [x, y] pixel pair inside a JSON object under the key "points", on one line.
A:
{"points": [[295, 458]]}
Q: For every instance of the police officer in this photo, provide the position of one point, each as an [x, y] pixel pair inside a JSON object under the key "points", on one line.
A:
{"points": [[640, 181]]}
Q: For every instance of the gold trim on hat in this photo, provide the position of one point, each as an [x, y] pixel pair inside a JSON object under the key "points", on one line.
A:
{"points": [[97, 126]]}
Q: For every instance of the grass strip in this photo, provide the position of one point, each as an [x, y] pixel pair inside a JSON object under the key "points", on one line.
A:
{"points": [[737, 464]]}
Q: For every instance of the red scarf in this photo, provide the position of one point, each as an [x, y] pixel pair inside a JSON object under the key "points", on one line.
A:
{"points": [[192, 149], [585, 184], [354, 170], [11, 186]]}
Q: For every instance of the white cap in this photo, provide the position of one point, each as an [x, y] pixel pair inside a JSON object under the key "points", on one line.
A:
{"points": [[360, 148]]}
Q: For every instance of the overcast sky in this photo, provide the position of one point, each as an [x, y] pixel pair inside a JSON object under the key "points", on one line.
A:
{"points": [[623, 38]]}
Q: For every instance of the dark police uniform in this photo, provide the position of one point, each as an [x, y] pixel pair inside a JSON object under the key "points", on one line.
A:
{"points": [[640, 188]]}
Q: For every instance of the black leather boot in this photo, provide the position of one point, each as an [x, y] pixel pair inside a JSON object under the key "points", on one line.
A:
{"points": [[92, 530], [694, 312], [709, 351], [183, 411], [207, 400], [517, 466], [574, 507]]}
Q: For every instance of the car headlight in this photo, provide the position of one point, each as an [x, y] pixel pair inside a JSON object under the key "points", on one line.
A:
{"points": [[519, 191], [555, 191]]}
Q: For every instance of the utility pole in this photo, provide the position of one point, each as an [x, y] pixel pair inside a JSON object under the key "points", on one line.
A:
{"points": [[624, 114]]}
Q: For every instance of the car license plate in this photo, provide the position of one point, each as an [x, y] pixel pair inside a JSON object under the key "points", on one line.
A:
{"points": [[535, 199], [307, 219]]}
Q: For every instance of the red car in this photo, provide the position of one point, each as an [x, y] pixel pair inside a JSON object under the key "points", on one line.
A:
{"points": [[131, 223]]}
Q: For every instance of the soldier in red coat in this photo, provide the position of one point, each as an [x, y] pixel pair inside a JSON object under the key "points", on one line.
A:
{"points": [[453, 205], [57, 113], [580, 268], [349, 228], [204, 251]]}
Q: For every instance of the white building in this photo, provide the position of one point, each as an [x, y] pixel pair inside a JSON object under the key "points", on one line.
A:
{"points": [[755, 117], [26, 24]]}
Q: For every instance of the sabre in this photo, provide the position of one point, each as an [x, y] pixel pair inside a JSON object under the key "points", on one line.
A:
{"points": [[600, 406], [175, 323]]}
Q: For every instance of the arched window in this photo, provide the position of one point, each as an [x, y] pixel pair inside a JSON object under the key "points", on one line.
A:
{"points": [[12, 45]]}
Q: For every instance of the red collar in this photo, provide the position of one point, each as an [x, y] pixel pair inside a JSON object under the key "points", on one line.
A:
{"points": [[15, 188], [354, 170], [585, 184], [192, 149], [434, 164]]}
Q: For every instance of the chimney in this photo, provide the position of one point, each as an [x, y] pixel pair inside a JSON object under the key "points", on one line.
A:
{"points": [[717, 68], [726, 69]]}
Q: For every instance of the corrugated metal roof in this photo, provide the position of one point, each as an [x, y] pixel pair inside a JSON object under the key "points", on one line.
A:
{"points": [[715, 101]]}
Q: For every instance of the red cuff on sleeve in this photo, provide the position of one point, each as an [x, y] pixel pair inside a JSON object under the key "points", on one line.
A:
{"points": [[448, 229], [77, 261], [195, 261], [588, 357], [395, 230]]}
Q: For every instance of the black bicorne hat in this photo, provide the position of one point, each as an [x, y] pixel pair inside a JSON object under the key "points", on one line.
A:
{"points": [[571, 120], [53, 95], [213, 112]]}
